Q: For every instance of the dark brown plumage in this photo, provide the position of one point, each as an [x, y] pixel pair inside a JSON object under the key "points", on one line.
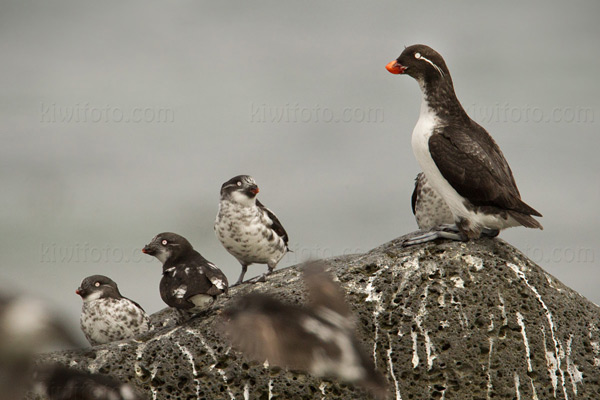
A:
{"points": [[462, 162], [190, 282]]}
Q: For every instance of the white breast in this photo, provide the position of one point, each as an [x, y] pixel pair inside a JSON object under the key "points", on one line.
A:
{"points": [[244, 232], [420, 144], [107, 320]]}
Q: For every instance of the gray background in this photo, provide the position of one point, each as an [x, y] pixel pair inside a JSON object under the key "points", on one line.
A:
{"points": [[82, 195]]}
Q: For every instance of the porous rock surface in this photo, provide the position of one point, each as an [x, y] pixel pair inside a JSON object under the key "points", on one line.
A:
{"points": [[442, 320]]}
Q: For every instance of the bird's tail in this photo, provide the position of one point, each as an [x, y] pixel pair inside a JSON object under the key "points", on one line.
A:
{"points": [[526, 220], [520, 206]]}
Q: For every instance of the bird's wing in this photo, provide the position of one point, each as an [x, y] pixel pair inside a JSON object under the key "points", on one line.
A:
{"points": [[135, 304], [264, 328], [217, 278], [179, 281], [276, 224], [256, 336], [475, 167], [204, 277], [415, 193], [323, 291]]}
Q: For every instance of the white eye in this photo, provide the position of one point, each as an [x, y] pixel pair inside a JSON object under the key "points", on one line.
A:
{"points": [[97, 284], [239, 183], [164, 242], [417, 55]]}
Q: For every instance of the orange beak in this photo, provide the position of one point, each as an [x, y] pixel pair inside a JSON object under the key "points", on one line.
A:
{"points": [[395, 68]]}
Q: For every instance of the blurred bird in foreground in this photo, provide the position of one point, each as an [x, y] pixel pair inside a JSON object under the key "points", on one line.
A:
{"points": [[318, 338], [57, 382], [27, 327]]}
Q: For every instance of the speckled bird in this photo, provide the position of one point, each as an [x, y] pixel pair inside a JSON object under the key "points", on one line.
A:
{"points": [[190, 283], [247, 229], [107, 316], [429, 208], [433, 214]]}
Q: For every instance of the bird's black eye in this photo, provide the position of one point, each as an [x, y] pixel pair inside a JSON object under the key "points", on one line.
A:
{"points": [[164, 242], [239, 183], [97, 284], [417, 55]]}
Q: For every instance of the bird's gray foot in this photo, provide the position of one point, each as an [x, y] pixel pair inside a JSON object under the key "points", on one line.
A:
{"points": [[256, 279], [263, 277], [490, 233], [450, 232], [260, 278], [241, 278], [446, 231]]}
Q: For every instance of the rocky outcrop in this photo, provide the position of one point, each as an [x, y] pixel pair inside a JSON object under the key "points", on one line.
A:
{"points": [[443, 320]]}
